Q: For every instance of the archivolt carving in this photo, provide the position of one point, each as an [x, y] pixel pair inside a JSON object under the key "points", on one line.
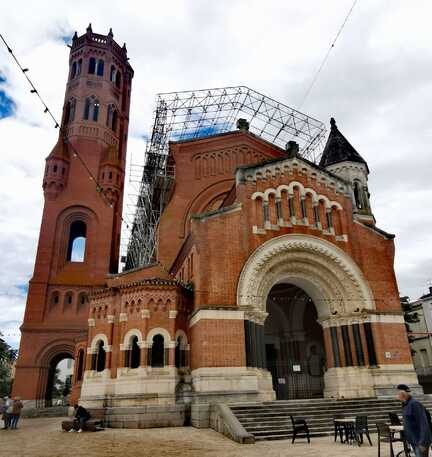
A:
{"points": [[327, 274]]}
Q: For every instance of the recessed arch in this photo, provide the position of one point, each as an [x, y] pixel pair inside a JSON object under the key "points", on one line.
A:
{"points": [[328, 275], [158, 331], [129, 335]]}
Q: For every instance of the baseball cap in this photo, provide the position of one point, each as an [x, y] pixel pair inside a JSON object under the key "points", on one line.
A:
{"points": [[403, 387]]}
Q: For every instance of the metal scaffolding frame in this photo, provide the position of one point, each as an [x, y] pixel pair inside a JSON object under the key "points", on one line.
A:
{"points": [[188, 115]]}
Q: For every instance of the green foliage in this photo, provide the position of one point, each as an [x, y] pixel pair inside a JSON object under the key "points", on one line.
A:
{"points": [[7, 358]]}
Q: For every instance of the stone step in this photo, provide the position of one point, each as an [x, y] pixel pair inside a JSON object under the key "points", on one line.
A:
{"points": [[270, 420]]}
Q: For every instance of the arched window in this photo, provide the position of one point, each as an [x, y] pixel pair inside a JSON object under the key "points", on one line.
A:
{"points": [[91, 108], [68, 299], [135, 353], [100, 67], [357, 195], [112, 117], [158, 351], [92, 66], [118, 79], [112, 73], [55, 298], [100, 356], [77, 242], [78, 68], [80, 369], [114, 121], [73, 70], [82, 300], [70, 111]]}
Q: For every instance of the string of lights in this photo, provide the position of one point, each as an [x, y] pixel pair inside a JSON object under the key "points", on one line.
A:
{"points": [[75, 152], [314, 79]]}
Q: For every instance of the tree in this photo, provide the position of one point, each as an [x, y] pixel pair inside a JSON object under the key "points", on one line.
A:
{"points": [[7, 358]]}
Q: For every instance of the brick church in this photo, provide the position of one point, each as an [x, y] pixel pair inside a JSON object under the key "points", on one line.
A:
{"points": [[271, 279]]}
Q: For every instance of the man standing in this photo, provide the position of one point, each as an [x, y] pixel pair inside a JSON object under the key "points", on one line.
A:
{"points": [[416, 425], [6, 411]]}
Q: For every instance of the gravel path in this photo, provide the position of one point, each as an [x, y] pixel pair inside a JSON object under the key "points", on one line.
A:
{"points": [[43, 438]]}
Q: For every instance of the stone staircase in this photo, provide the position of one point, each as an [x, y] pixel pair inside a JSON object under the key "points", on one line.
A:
{"points": [[271, 420]]}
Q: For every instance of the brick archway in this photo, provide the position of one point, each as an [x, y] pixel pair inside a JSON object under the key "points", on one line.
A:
{"points": [[339, 291]]}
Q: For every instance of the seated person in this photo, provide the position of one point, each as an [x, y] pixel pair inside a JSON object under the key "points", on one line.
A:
{"points": [[81, 417]]}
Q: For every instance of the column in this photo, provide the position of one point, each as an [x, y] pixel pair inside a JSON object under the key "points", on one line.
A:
{"points": [[358, 344], [335, 346], [347, 346], [367, 327]]}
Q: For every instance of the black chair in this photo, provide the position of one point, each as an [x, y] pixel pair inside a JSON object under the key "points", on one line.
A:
{"points": [[385, 435], [338, 428], [299, 425], [360, 428], [394, 419]]}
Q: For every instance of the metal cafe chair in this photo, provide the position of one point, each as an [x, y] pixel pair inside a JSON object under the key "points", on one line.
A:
{"points": [[361, 427], [394, 419], [299, 425], [338, 428], [386, 435]]}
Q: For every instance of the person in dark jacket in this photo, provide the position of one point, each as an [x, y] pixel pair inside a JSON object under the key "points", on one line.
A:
{"points": [[416, 425], [81, 417]]}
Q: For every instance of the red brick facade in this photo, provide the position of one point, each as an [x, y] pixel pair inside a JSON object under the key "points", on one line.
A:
{"points": [[244, 216]]}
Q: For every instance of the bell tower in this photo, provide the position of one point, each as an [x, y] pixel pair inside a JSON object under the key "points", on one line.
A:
{"points": [[83, 186]]}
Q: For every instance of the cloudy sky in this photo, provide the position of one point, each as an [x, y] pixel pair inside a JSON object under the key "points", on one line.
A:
{"points": [[376, 83]]}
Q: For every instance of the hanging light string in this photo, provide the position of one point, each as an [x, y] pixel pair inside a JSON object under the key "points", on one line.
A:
{"points": [[308, 91], [75, 151]]}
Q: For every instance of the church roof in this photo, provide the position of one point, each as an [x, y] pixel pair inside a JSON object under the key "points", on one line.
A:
{"points": [[338, 149]]}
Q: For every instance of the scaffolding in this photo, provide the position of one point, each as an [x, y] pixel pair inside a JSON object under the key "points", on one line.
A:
{"points": [[188, 115]]}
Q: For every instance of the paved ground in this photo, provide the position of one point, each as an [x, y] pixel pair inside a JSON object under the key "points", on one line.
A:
{"points": [[43, 438]]}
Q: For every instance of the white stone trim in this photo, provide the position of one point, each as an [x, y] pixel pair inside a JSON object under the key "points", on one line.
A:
{"points": [[329, 275], [145, 314], [128, 336], [158, 331], [172, 314], [361, 318], [216, 314], [385, 318], [123, 317], [110, 318], [98, 337], [91, 322]]}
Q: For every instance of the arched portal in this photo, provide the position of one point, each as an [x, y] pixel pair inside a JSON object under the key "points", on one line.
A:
{"points": [[339, 293], [294, 343], [59, 382]]}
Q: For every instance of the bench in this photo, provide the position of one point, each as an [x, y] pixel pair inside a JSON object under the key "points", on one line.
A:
{"points": [[95, 423]]}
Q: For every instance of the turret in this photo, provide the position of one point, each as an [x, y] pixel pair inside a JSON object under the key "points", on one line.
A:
{"points": [[340, 158], [56, 170]]}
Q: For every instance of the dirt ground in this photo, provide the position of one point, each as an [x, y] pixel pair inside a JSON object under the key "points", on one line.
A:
{"points": [[43, 438]]}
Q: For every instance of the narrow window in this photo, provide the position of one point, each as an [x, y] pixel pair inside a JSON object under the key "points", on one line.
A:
{"points": [[77, 242], [109, 115], [178, 353], [114, 120], [135, 353], [112, 73], [118, 79], [357, 195], [92, 66], [87, 108], [79, 66], [73, 70], [157, 353], [55, 169], [95, 110], [100, 357], [100, 67], [80, 369], [110, 175]]}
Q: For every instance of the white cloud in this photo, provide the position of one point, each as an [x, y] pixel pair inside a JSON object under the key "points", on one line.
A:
{"points": [[376, 85]]}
